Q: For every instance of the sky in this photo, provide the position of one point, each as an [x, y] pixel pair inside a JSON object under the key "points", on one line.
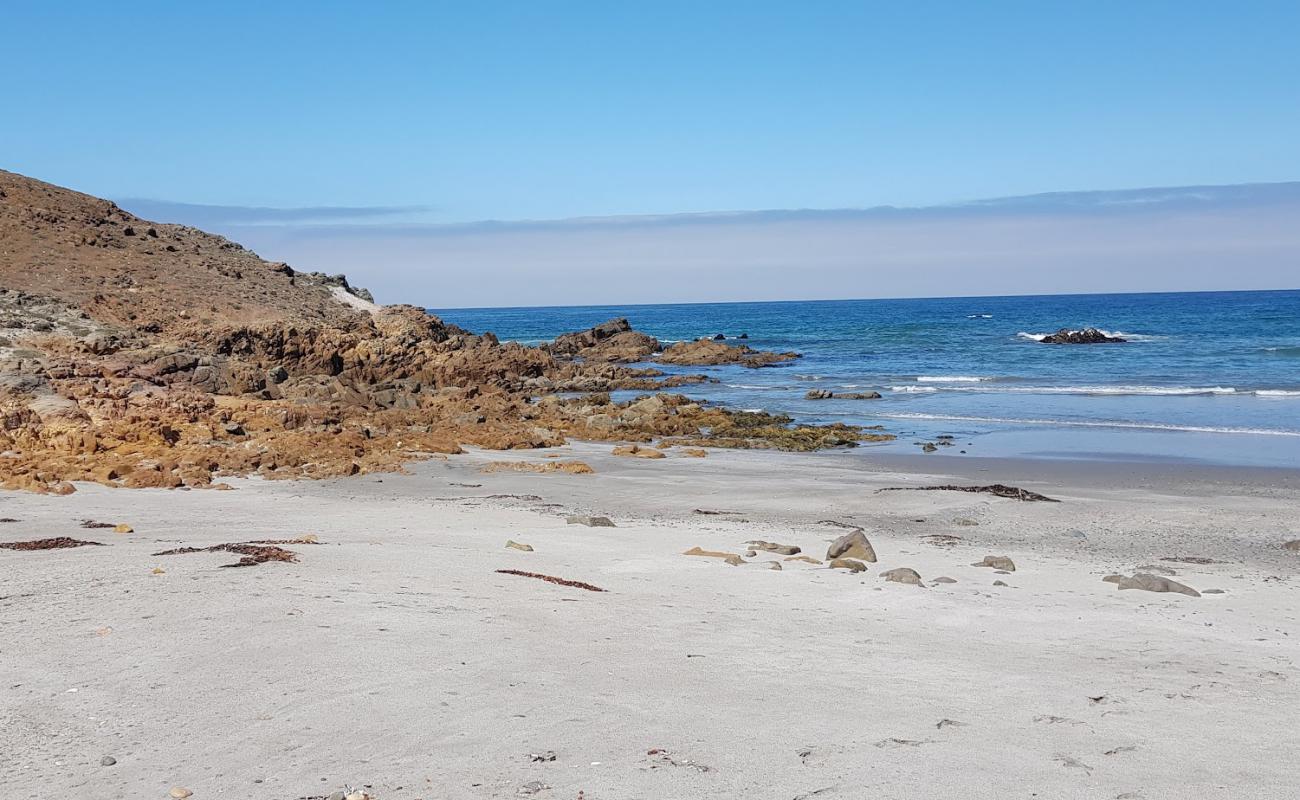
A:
{"points": [[311, 120]]}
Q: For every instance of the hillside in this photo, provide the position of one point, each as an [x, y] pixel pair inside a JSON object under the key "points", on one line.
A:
{"points": [[136, 353]]}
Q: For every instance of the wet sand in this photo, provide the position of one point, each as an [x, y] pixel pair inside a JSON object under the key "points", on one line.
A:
{"points": [[393, 656]]}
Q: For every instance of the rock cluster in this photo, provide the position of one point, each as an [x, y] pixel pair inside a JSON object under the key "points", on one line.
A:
{"points": [[1085, 336], [138, 354]]}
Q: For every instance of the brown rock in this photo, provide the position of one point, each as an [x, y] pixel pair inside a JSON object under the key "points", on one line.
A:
{"points": [[902, 575], [808, 559], [733, 559], [773, 547], [853, 544], [1292, 546], [850, 564], [636, 451], [1156, 583], [513, 545], [997, 562]]}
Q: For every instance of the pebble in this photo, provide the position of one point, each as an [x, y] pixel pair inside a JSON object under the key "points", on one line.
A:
{"points": [[944, 579], [179, 792], [591, 522], [107, 761], [513, 545]]}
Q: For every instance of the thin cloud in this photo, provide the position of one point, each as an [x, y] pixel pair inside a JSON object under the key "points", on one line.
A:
{"points": [[201, 215]]}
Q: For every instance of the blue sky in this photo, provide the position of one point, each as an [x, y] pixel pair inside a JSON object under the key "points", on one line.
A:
{"points": [[541, 110]]}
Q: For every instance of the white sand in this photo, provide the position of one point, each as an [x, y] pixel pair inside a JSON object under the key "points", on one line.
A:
{"points": [[394, 656], [349, 299]]}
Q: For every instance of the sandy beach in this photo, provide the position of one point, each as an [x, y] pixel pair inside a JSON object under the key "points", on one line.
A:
{"points": [[394, 659]]}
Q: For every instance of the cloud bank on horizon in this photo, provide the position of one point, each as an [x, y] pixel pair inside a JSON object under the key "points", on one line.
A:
{"points": [[1160, 239]]}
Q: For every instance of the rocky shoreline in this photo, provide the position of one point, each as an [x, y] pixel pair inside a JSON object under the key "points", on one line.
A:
{"points": [[146, 355]]}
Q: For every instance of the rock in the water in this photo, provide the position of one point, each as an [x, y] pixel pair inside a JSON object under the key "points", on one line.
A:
{"points": [[997, 562], [853, 544], [590, 522], [928, 447], [848, 563], [824, 394], [733, 559], [513, 545], [1085, 336], [1156, 583], [773, 547], [943, 579], [902, 575]]}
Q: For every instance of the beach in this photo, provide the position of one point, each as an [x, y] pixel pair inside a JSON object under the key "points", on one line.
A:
{"points": [[394, 659]]}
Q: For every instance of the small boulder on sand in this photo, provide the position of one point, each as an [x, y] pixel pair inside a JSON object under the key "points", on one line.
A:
{"points": [[997, 562], [902, 575], [773, 547], [809, 559], [853, 544], [1293, 546], [590, 522], [513, 545], [944, 579], [694, 452], [848, 563], [733, 559], [1156, 583]]}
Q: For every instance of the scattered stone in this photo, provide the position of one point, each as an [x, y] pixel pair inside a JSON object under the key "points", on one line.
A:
{"points": [[711, 513], [999, 583], [513, 545], [92, 524], [853, 544], [944, 723], [773, 547], [776, 565], [179, 792], [941, 539], [902, 575], [1156, 583], [56, 543], [1213, 591], [1190, 560], [533, 787], [1156, 569], [570, 467], [591, 522], [695, 452], [996, 489], [548, 755], [997, 562], [965, 522], [928, 447], [123, 528], [733, 559], [809, 559], [637, 451], [1292, 546], [848, 563], [943, 579], [107, 761]]}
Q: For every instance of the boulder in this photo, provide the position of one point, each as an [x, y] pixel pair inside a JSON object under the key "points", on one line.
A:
{"points": [[590, 522], [848, 563], [733, 559], [853, 544], [1156, 583], [902, 575], [997, 562], [773, 547]]}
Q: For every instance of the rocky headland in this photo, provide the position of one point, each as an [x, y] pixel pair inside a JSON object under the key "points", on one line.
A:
{"points": [[142, 354]]}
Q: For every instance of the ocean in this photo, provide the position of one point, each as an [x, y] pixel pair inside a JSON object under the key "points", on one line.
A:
{"points": [[1212, 377]]}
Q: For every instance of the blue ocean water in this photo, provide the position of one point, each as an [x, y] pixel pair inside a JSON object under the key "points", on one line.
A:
{"points": [[1208, 376]]}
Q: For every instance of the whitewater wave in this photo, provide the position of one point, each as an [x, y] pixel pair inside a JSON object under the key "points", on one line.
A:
{"points": [[914, 389], [810, 377], [1078, 390], [1277, 393], [979, 316], [952, 378], [1154, 426], [1284, 352]]}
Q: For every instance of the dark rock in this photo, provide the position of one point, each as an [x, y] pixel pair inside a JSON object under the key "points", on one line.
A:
{"points": [[1085, 336]]}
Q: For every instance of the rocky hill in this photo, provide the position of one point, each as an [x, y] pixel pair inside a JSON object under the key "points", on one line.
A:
{"points": [[137, 353]]}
